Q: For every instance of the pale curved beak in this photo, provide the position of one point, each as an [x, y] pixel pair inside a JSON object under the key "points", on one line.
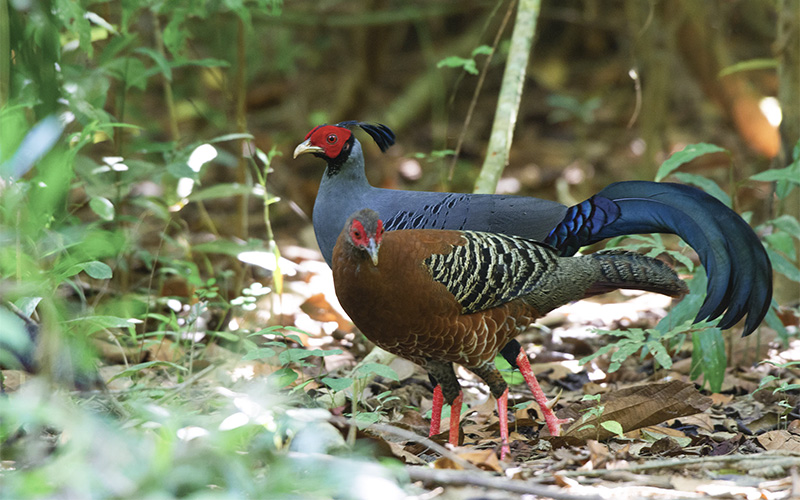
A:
{"points": [[372, 250], [306, 147]]}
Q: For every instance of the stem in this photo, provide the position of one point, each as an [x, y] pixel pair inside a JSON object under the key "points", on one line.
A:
{"points": [[510, 96], [241, 125], [174, 131], [5, 53]]}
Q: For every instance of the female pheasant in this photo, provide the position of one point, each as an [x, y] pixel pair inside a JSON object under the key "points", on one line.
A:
{"points": [[438, 297]]}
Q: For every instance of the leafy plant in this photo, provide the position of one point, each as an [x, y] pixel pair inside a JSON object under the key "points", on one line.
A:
{"points": [[596, 412]]}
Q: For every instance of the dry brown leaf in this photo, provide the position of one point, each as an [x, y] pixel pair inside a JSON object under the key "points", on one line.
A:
{"points": [[780, 440], [319, 309], [637, 407], [485, 459], [400, 452], [718, 399], [12, 379], [598, 453]]}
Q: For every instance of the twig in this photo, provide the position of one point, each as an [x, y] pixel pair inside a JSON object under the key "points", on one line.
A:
{"points": [[775, 457], [478, 87], [410, 436], [485, 480]]}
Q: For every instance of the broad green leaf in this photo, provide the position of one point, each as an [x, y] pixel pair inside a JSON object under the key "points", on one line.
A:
{"points": [[789, 174], [260, 353], [27, 305], [97, 270], [337, 384], [366, 418], [612, 426], [787, 224], [147, 364], [283, 377], [458, 62], [160, 60], [708, 357], [227, 190], [774, 322], [660, 354], [782, 242], [684, 156], [378, 369], [482, 50], [511, 376], [706, 185], [37, 143], [782, 265], [102, 207]]}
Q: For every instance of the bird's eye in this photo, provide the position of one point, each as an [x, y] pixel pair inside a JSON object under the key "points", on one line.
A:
{"points": [[332, 139]]}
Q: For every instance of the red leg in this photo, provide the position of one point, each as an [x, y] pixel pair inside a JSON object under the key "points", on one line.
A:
{"points": [[436, 411], [553, 423], [455, 419], [502, 412]]}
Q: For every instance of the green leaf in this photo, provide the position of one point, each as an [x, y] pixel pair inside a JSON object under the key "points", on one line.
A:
{"points": [[378, 369], [467, 65], [782, 242], [660, 354], [708, 357], [161, 61], [684, 156], [97, 270], [782, 265], [337, 384], [787, 224], [612, 426], [102, 207], [227, 190], [482, 50], [706, 185], [366, 418], [789, 174], [283, 377], [774, 322], [749, 65], [260, 353], [147, 364]]}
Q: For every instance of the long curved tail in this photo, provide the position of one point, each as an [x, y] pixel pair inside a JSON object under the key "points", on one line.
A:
{"points": [[739, 271]]}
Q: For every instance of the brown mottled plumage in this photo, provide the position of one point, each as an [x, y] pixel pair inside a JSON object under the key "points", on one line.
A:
{"points": [[438, 297]]}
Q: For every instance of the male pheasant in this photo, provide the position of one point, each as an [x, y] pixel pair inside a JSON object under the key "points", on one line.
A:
{"points": [[438, 297], [739, 271]]}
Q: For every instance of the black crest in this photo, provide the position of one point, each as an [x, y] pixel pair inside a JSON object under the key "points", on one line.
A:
{"points": [[380, 133]]}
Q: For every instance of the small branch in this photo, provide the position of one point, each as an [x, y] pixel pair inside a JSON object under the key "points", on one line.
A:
{"points": [[416, 438], [770, 458], [486, 480], [478, 87]]}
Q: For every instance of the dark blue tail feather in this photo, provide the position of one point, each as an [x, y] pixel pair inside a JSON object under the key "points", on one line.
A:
{"points": [[739, 271]]}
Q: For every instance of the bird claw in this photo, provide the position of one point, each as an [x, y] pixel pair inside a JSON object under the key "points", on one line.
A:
{"points": [[553, 402]]}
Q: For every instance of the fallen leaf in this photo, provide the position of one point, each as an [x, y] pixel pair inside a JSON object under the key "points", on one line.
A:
{"points": [[780, 440], [637, 407]]}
